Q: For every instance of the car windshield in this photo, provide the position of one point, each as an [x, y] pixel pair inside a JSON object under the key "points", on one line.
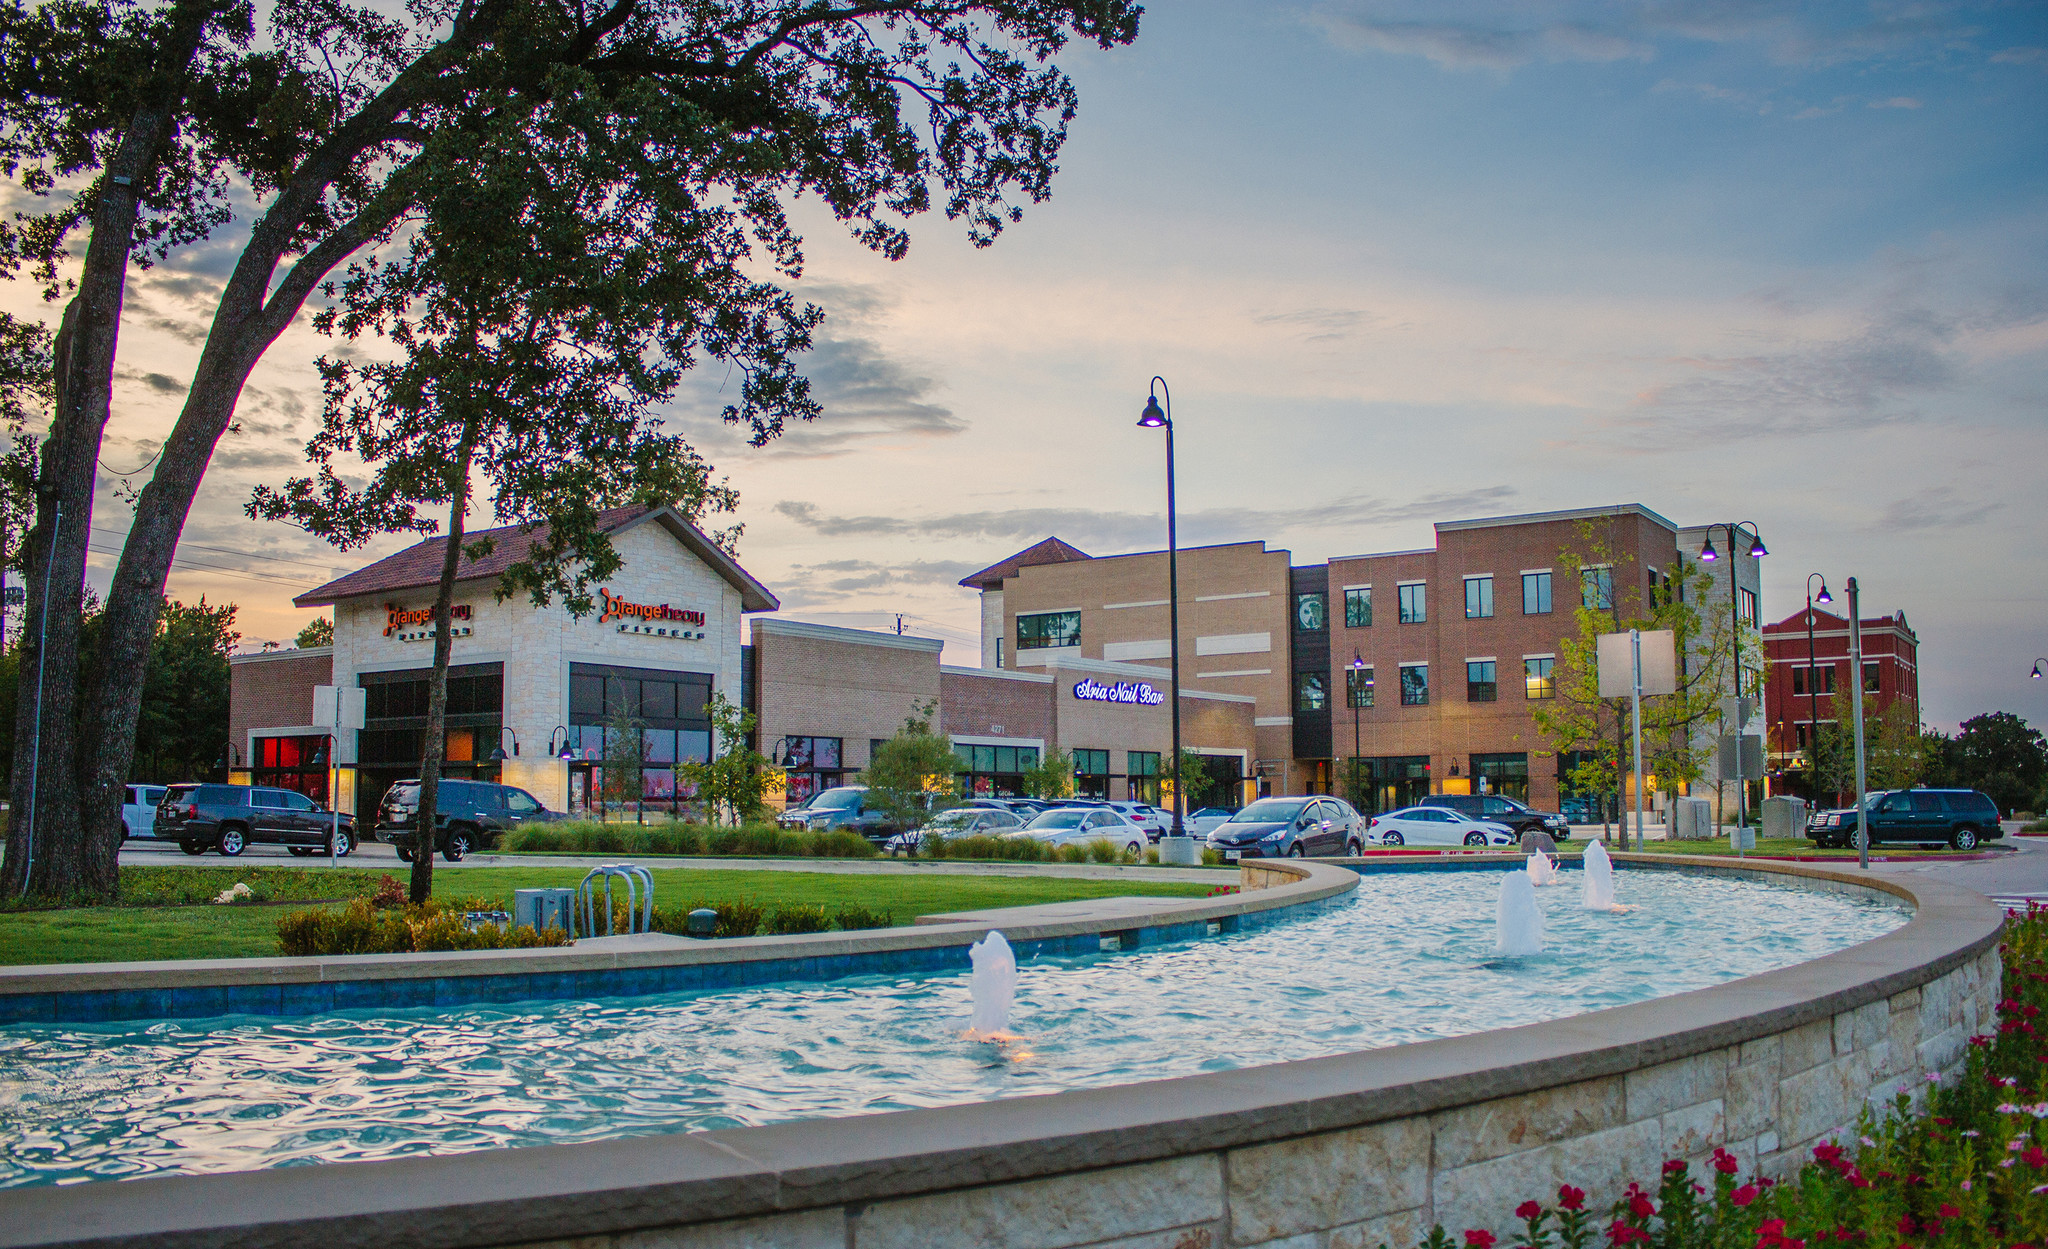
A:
{"points": [[834, 800], [1270, 810], [1066, 817], [955, 819]]}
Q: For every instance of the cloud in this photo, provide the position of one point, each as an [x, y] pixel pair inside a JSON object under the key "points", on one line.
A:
{"points": [[2035, 58], [1322, 325], [835, 581], [1458, 46], [1938, 507], [1113, 531], [1897, 101], [162, 383]]}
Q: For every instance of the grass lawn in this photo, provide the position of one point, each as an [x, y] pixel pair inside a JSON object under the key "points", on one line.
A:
{"points": [[133, 932]]}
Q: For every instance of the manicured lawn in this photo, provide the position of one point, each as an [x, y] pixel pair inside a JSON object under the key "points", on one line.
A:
{"points": [[123, 933]]}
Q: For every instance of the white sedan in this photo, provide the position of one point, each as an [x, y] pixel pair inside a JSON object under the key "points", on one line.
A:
{"points": [[1204, 822], [1077, 826], [1437, 826]]}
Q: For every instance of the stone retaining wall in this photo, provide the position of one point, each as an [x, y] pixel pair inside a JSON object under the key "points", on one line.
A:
{"points": [[1330, 1153]]}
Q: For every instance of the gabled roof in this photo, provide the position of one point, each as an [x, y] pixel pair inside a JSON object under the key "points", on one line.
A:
{"points": [[419, 565], [1049, 551]]}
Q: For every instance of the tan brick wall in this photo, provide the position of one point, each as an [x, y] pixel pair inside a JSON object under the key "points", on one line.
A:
{"points": [[851, 685], [996, 705]]}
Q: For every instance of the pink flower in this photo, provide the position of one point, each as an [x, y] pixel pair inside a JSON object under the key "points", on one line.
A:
{"points": [[1674, 1166], [1569, 1198], [1724, 1162], [1476, 1239], [1744, 1195], [1621, 1233], [1528, 1210], [2035, 1158], [1640, 1206]]}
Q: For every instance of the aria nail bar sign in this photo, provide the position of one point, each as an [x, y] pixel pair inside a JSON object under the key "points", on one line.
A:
{"points": [[1136, 692]]}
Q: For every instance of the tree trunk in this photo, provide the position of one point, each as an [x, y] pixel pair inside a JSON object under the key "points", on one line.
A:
{"points": [[49, 851], [424, 822]]}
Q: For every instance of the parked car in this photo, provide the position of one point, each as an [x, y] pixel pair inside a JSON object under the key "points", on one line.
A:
{"points": [[1495, 809], [230, 818], [1146, 816], [1581, 810], [1437, 826], [468, 815], [1959, 818], [138, 810], [1077, 826], [1273, 828], [976, 821], [1202, 823], [843, 806]]}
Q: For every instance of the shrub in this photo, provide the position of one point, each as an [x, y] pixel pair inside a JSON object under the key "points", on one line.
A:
{"points": [[389, 893], [853, 915], [800, 917], [362, 928], [1211, 858], [751, 840], [1013, 849], [1070, 854]]}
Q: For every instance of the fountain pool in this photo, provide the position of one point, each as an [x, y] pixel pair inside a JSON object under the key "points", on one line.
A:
{"points": [[1410, 958]]}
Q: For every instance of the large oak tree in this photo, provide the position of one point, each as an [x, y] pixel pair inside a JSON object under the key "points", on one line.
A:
{"points": [[143, 123]]}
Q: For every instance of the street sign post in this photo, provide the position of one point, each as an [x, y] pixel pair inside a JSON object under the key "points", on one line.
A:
{"points": [[337, 707], [1631, 665]]}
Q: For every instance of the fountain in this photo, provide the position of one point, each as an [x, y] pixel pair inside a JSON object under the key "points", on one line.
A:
{"points": [[993, 987], [1600, 880], [1541, 870], [1518, 922]]}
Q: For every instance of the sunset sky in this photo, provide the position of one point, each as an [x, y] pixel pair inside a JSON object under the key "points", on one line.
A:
{"points": [[1400, 263]]}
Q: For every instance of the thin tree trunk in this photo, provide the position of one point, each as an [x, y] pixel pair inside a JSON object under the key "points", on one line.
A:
{"points": [[424, 824]]}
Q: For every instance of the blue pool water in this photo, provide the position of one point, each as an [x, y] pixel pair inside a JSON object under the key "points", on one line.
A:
{"points": [[1409, 959]]}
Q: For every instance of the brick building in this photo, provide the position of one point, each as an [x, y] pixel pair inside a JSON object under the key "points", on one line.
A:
{"points": [[1803, 682], [1425, 664]]}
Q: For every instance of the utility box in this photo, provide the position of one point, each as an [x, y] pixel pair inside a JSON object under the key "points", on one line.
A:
{"points": [[1741, 837], [1784, 817], [544, 908], [1692, 819]]}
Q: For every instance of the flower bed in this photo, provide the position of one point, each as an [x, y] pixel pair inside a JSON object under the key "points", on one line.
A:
{"points": [[1958, 1163]]}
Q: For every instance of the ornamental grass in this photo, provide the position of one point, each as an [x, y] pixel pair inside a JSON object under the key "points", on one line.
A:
{"points": [[1964, 1166], [718, 841]]}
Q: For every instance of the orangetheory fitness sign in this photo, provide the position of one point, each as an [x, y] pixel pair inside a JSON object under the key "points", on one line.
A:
{"points": [[396, 617], [616, 608]]}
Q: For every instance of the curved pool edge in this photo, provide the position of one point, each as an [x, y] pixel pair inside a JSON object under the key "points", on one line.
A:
{"points": [[625, 966], [1373, 1145]]}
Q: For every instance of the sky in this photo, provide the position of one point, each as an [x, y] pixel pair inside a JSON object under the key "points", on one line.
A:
{"points": [[1399, 263]]}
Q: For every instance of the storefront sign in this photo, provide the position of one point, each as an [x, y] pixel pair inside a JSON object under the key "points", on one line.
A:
{"points": [[1134, 692], [397, 619], [616, 608]]}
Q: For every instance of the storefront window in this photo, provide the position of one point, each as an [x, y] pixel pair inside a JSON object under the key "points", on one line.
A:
{"points": [[1506, 775], [993, 771], [294, 763], [392, 741], [812, 765], [1091, 773], [612, 708], [1143, 782]]}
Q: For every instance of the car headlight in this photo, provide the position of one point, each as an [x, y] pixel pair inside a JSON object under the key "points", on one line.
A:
{"points": [[1277, 834]]}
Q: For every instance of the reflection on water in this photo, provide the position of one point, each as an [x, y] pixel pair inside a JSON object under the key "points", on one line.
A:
{"points": [[1411, 958]]}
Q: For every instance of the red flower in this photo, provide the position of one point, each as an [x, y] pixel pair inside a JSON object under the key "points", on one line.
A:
{"points": [[1724, 1162], [1569, 1198], [1475, 1239], [1905, 1225], [1640, 1206], [1674, 1166], [1621, 1233], [1528, 1210], [1744, 1195], [1948, 1211], [2034, 1157]]}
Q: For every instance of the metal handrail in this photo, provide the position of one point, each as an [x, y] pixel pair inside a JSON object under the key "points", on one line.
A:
{"points": [[639, 897]]}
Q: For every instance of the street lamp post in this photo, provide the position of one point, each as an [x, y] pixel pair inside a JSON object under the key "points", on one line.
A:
{"points": [[1357, 674], [1856, 684], [2037, 673], [1813, 685], [1176, 846], [1707, 556]]}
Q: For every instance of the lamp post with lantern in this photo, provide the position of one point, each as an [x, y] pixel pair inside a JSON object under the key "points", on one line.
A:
{"points": [[1708, 555], [1175, 846], [1813, 684]]}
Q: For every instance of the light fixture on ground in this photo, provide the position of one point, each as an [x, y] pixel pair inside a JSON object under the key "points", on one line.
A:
{"points": [[1708, 555], [1176, 846]]}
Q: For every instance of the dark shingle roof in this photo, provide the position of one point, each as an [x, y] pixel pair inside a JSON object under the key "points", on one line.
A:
{"points": [[1049, 551], [419, 565]]}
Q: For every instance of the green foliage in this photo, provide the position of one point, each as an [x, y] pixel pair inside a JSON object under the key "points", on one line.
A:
{"points": [[625, 753], [1009, 849], [911, 770], [1202, 788], [734, 784], [798, 919], [1053, 777], [853, 916], [1895, 750], [748, 841], [318, 632], [362, 927]]}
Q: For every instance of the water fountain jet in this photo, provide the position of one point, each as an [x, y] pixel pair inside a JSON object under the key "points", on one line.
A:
{"points": [[993, 987], [1518, 921], [1600, 880], [1541, 870]]}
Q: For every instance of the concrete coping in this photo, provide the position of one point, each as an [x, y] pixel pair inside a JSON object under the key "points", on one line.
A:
{"points": [[510, 1196]]}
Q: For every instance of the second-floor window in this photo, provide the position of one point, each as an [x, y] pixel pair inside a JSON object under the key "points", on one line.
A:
{"points": [[1537, 678], [1747, 601], [1358, 686], [1596, 588], [1414, 603], [1358, 608], [1813, 680], [1535, 594], [1478, 597], [1414, 685], [1480, 683], [1870, 680], [1310, 692], [1050, 628]]}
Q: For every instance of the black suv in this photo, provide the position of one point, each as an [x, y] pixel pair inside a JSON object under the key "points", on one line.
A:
{"points": [[468, 815], [228, 818], [1959, 817], [1498, 810]]}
